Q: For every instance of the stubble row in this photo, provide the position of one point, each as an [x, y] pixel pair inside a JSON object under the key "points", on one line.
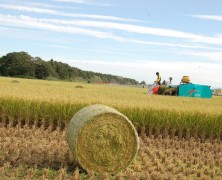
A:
{"points": [[39, 153]]}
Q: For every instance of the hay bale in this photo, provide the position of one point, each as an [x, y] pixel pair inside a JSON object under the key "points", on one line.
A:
{"points": [[102, 139], [78, 86], [15, 81]]}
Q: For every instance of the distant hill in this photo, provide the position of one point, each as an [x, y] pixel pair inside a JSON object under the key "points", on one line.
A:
{"points": [[21, 64]]}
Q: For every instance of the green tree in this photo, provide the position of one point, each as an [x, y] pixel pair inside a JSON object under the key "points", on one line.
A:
{"points": [[22, 64], [17, 64], [142, 82], [41, 71]]}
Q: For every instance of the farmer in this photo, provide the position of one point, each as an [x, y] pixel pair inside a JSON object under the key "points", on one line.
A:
{"points": [[158, 80]]}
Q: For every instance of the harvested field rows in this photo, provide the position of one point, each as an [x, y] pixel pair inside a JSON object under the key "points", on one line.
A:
{"points": [[34, 153]]}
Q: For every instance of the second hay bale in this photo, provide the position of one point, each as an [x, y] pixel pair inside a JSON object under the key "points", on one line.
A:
{"points": [[102, 139]]}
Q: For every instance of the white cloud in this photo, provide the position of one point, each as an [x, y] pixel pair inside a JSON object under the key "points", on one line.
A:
{"points": [[141, 30], [196, 38], [83, 2], [165, 44], [219, 36], [208, 17], [72, 1], [89, 50], [24, 34], [72, 27], [45, 5], [59, 13], [37, 4], [24, 21], [28, 22], [29, 9], [6, 29], [216, 56]]}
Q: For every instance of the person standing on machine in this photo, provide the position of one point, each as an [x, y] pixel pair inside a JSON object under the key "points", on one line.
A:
{"points": [[158, 80]]}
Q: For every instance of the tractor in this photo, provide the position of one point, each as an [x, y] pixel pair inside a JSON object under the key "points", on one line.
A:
{"points": [[185, 88]]}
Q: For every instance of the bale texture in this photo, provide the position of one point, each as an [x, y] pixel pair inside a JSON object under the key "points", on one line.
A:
{"points": [[102, 139]]}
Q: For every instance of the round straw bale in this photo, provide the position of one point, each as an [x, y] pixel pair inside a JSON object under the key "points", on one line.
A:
{"points": [[102, 139]]}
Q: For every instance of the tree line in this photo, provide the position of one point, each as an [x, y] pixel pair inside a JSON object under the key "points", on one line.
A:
{"points": [[21, 64]]}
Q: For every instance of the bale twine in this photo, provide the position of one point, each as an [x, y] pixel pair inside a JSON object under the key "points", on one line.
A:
{"points": [[102, 139]]}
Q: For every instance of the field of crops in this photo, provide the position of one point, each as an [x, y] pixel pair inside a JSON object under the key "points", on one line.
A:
{"points": [[180, 137]]}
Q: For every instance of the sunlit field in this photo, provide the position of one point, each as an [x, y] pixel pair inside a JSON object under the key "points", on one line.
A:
{"points": [[180, 136], [56, 101], [113, 95]]}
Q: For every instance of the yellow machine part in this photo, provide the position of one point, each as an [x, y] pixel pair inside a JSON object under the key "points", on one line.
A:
{"points": [[185, 79]]}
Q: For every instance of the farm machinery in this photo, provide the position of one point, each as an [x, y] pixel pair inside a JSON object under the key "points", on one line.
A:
{"points": [[185, 88]]}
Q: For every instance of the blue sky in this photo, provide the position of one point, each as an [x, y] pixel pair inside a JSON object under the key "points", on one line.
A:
{"points": [[133, 39]]}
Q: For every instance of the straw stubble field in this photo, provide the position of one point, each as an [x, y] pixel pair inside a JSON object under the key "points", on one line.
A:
{"points": [[180, 138], [36, 153]]}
